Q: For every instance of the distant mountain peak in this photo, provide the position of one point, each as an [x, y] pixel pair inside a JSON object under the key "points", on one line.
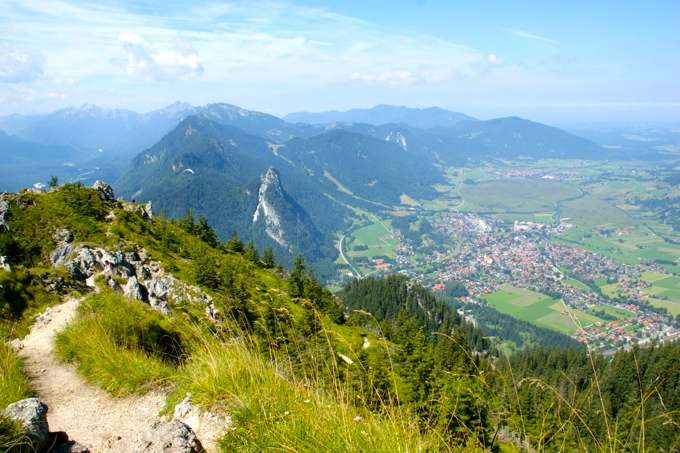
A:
{"points": [[178, 107], [230, 111], [384, 114], [92, 108]]}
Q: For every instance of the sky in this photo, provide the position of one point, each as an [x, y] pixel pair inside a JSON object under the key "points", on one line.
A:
{"points": [[552, 61]]}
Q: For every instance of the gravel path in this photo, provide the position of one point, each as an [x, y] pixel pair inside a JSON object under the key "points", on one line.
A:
{"points": [[86, 413]]}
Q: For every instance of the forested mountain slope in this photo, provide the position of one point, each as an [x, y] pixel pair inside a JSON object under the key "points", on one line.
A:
{"points": [[292, 365]]}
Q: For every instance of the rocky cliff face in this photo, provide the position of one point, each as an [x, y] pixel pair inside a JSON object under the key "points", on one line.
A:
{"points": [[282, 219], [271, 196]]}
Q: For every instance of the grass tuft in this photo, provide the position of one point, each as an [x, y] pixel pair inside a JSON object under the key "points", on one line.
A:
{"points": [[14, 384], [122, 345], [12, 437]]}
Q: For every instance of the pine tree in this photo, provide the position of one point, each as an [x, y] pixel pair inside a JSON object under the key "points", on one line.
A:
{"points": [[297, 277], [234, 244], [268, 257], [250, 252], [205, 232]]}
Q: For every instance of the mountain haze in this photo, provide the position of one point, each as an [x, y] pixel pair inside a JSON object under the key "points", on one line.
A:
{"points": [[384, 114]]}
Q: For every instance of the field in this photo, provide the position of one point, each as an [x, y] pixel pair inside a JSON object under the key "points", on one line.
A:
{"points": [[617, 312], [539, 309], [376, 237], [576, 283], [524, 199], [664, 292], [626, 245]]}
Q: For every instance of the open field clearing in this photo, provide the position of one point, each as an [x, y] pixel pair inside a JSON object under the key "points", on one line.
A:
{"points": [[593, 212], [539, 309], [528, 196], [376, 237], [627, 246], [619, 313]]}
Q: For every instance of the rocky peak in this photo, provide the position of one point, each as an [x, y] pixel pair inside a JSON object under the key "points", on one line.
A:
{"points": [[271, 180], [104, 189], [271, 195]]}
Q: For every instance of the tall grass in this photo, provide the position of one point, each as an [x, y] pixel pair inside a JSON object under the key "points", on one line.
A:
{"points": [[12, 437], [298, 396], [571, 416], [271, 410], [14, 386], [122, 345]]}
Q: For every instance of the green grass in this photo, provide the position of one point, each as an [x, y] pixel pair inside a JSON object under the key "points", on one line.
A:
{"points": [[539, 309], [627, 246], [576, 283], [122, 345], [13, 438], [14, 384], [619, 313], [673, 307], [517, 196], [274, 411], [115, 343], [500, 297], [374, 237]]}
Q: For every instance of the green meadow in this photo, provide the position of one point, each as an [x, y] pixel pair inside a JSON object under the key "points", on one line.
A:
{"points": [[376, 237], [626, 245], [538, 308], [619, 313], [517, 196], [664, 292]]}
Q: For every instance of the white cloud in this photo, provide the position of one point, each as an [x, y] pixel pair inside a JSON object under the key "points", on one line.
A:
{"points": [[149, 63], [390, 78], [19, 65], [528, 35]]}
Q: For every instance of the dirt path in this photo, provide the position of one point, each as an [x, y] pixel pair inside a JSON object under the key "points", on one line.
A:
{"points": [[86, 413]]}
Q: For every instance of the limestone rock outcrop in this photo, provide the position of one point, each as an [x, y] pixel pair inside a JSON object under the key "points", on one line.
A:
{"points": [[131, 273], [32, 414], [105, 190]]}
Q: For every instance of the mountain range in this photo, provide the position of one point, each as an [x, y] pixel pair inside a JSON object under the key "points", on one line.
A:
{"points": [[289, 183], [384, 114]]}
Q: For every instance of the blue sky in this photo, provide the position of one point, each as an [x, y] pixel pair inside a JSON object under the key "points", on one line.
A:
{"points": [[550, 61]]}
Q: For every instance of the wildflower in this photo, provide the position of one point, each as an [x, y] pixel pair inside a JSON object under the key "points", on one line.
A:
{"points": [[358, 418]]}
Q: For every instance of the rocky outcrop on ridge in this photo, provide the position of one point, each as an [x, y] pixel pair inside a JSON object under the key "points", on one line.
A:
{"points": [[132, 273], [105, 190], [4, 207]]}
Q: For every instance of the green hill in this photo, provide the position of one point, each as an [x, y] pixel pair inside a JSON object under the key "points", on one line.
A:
{"points": [[385, 367]]}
